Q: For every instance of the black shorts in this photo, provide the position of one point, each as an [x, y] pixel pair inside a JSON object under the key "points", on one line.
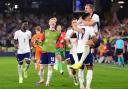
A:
{"points": [[119, 51], [88, 60]]}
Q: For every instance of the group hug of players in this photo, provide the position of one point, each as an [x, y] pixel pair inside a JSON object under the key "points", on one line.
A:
{"points": [[53, 46]]}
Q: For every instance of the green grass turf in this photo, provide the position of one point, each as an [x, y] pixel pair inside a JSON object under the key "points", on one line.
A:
{"points": [[105, 76]]}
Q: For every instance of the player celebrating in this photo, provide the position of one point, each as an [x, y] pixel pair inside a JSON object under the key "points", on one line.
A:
{"points": [[38, 50], [71, 41], [60, 49], [87, 33], [94, 22], [22, 39], [48, 54], [86, 38]]}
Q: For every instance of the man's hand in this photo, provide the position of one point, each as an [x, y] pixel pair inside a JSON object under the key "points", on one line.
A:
{"points": [[16, 44], [74, 26], [90, 43]]}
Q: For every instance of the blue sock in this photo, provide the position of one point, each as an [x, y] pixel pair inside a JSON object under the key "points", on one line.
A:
{"points": [[119, 62], [122, 60]]}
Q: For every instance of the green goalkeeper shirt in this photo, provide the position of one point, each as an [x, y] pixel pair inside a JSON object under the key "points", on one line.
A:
{"points": [[50, 39]]}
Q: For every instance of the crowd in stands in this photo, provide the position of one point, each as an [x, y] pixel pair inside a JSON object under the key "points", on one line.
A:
{"points": [[9, 24], [106, 52]]}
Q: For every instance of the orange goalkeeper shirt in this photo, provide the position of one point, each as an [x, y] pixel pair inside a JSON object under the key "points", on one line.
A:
{"points": [[38, 50]]}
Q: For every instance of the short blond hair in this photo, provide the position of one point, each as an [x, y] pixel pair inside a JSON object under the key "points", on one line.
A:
{"points": [[38, 28]]}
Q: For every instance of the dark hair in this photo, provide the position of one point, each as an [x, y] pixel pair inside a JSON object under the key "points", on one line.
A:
{"points": [[72, 20], [84, 15], [24, 21]]}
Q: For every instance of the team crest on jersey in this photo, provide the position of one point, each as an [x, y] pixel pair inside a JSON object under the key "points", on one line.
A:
{"points": [[27, 35]]}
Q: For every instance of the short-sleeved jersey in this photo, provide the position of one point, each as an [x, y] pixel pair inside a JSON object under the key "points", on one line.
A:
{"points": [[59, 43], [36, 37], [73, 41], [83, 38], [50, 39], [68, 33], [23, 41], [95, 17], [119, 44], [68, 36]]}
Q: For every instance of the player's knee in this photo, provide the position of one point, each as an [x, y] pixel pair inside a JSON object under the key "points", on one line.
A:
{"points": [[41, 69], [28, 61], [68, 62], [20, 63], [52, 65], [34, 60], [89, 67]]}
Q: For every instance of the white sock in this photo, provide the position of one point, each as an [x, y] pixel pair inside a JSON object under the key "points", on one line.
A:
{"points": [[81, 78], [101, 59], [26, 66], [49, 75], [85, 54], [56, 63], [20, 71], [75, 57], [88, 78], [69, 70], [75, 79], [41, 73]]}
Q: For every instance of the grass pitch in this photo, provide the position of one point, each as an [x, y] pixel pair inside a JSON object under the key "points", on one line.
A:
{"points": [[105, 76]]}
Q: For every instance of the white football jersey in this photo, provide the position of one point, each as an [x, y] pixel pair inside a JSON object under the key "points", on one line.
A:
{"points": [[95, 17], [68, 33], [83, 38], [72, 40], [23, 41]]}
